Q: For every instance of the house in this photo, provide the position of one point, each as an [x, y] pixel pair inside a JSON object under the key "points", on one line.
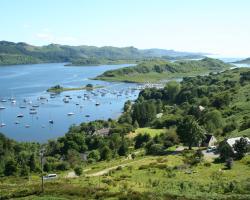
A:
{"points": [[231, 141], [209, 141], [102, 132]]}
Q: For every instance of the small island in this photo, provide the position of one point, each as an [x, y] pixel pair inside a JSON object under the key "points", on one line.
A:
{"points": [[156, 70], [59, 89]]}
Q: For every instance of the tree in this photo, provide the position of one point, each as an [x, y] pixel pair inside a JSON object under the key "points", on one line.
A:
{"points": [[78, 170], [141, 140], [173, 89], [190, 132], [123, 150], [213, 120], [106, 153], [10, 168], [225, 151], [241, 147], [94, 155], [136, 125], [32, 163]]}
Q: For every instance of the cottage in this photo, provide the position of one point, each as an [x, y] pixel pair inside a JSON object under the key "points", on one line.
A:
{"points": [[209, 141], [231, 141], [102, 132]]}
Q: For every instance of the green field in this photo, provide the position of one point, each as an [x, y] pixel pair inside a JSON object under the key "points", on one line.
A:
{"points": [[147, 177]]}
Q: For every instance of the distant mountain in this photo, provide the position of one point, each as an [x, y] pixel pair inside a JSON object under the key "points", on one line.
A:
{"points": [[245, 61], [23, 53]]}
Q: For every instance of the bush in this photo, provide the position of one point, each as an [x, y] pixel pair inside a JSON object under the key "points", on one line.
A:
{"points": [[229, 163], [78, 170]]}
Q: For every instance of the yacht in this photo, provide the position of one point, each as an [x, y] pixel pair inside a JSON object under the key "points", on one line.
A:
{"points": [[35, 106], [2, 107], [70, 113], [3, 100], [2, 124]]}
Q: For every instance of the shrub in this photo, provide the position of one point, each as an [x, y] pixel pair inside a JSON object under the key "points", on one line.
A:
{"points": [[78, 170]]}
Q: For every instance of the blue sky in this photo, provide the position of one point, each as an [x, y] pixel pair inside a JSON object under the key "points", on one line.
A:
{"points": [[214, 26]]}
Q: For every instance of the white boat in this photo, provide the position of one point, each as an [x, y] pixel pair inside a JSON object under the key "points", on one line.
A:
{"points": [[27, 126], [3, 100], [2, 124], [13, 101], [2, 108], [70, 113], [35, 106], [97, 104]]}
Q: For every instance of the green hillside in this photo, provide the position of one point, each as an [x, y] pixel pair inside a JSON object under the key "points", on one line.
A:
{"points": [[156, 70], [22, 53]]}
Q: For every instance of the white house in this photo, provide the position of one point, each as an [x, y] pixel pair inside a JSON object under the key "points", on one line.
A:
{"points": [[231, 141]]}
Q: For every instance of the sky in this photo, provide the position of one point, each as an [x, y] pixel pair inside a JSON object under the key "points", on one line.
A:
{"points": [[212, 26]]}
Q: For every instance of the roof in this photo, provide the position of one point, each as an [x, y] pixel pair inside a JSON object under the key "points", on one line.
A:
{"points": [[208, 138], [231, 141]]}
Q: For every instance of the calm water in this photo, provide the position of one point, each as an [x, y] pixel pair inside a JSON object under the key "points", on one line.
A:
{"points": [[30, 82]]}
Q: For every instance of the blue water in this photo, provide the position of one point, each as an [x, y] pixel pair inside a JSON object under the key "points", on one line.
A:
{"points": [[31, 82]]}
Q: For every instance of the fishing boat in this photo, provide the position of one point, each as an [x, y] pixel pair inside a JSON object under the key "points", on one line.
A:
{"points": [[70, 113]]}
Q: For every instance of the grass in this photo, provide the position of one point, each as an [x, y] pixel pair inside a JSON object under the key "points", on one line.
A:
{"points": [[152, 132], [162, 177]]}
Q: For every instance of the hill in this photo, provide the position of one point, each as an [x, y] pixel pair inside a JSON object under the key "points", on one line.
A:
{"points": [[245, 61], [21, 53], [156, 70]]}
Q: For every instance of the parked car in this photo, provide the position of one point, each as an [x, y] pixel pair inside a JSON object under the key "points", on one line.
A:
{"points": [[50, 176], [211, 149]]}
